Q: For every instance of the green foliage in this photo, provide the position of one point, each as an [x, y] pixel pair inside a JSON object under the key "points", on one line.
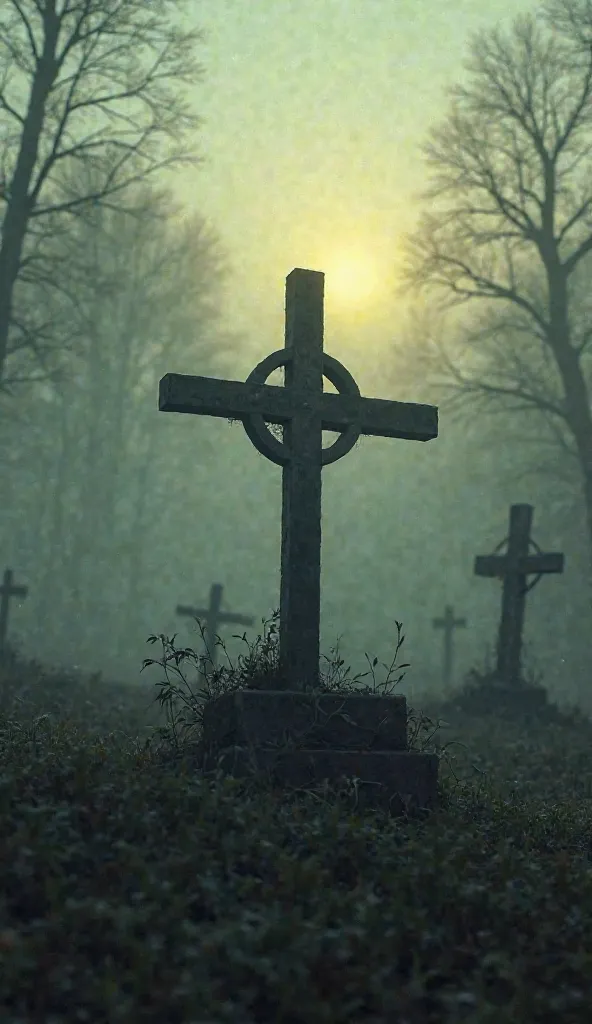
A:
{"points": [[257, 669], [133, 889], [29, 689]]}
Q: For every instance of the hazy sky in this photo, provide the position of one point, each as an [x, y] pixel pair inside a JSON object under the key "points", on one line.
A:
{"points": [[314, 112]]}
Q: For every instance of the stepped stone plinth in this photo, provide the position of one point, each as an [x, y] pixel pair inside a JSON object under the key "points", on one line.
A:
{"points": [[300, 739]]}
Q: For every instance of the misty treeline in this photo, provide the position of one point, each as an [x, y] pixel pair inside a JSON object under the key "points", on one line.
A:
{"points": [[104, 285], [98, 83], [508, 237], [90, 472]]}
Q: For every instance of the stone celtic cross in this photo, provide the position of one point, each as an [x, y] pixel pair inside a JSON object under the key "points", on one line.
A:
{"points": [[304, 410], [512, 568]]}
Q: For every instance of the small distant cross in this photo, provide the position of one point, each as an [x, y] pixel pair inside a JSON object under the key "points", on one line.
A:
{"points": [[304, 410], [448, 624], [8, 590], [513, 567], [214, 616]]}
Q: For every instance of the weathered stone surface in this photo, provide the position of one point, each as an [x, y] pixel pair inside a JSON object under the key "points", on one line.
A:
{"points": [[299, 740], [270, 717], [387, 779]]}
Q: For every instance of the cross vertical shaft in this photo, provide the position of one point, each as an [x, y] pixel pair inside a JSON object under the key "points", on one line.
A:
{"points": [[300, 589], [212, 620], [448, 623], [8, 590], [509, 644]]}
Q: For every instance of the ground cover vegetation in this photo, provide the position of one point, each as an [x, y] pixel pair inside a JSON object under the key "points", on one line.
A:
{"points": [[134, 888]]}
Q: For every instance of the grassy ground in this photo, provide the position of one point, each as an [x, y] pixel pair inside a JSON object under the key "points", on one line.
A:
{"points": [[132, 890]]}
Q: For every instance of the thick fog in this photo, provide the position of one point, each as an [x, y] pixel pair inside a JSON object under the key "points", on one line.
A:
{"points": [[114, 513]]}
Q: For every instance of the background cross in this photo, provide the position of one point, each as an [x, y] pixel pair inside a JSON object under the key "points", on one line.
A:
{"points": [[448, 623], [513, 567], [213, 617]]}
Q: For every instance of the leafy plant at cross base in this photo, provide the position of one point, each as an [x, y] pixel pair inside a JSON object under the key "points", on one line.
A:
{"points": [[259, 669]]}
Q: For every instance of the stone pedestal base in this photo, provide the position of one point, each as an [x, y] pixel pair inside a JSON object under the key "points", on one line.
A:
{"points": [[503, 699], [299, 740]]}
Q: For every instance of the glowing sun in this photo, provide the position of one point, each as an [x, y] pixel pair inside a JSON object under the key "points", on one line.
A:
{"points": [[351, 281]]}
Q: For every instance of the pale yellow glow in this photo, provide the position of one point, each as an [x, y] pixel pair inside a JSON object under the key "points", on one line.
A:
{"points": [[352, 281]]}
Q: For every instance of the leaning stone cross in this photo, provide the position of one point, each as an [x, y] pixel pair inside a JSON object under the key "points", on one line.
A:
{"points": [[512, 568], [448, 623], [214, 616], [304, 410], [8, 590]]}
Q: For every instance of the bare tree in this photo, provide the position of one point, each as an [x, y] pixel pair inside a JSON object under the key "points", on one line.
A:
{"points": [[512, 221], [82, 82], [150, 289], [90, 469]]}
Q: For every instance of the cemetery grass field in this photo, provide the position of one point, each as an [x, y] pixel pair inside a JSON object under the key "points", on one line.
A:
{"points": [[132, 890]]}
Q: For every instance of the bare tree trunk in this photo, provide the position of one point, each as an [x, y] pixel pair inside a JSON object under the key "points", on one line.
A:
{"points": [[51, 48], [575, 389], [19, 208], [51, 600]]}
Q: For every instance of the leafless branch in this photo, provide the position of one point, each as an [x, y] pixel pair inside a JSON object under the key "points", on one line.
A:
{"points": [[99, 82]]}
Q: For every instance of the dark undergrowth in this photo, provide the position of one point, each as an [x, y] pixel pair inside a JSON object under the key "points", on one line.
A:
{"points": [[132, 889]]}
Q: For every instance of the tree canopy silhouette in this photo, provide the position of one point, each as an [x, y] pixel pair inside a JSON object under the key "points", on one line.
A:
{"points": [[83, 82], [511, 217]]}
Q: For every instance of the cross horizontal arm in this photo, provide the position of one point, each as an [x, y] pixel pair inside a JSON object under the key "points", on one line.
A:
{"points": [[497, 565], [180, 392], [197, 613]]}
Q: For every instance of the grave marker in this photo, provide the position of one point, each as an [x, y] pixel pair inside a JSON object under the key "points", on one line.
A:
{"points": [[512, 568], [8, 590], [305, 410], [448, 623], [213, 618]]}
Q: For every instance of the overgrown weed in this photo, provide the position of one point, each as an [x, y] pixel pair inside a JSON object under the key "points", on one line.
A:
{"points": [[259, 668], [136, 891]]}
